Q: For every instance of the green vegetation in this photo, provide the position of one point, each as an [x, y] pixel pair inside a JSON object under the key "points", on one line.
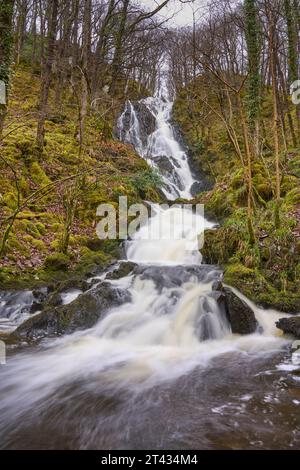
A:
{"points": [[268, 271], [40, 189]]}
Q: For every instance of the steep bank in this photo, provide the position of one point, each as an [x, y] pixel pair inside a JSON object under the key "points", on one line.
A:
{"points": [[269, 271], [48, 184]]}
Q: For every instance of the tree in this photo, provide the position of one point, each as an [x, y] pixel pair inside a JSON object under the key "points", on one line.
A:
{"points": [[291, 16], [272, 16], [6, 43], [47, 72], [254, 84]]}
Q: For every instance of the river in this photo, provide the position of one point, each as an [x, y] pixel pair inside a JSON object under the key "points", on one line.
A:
{"points": [[163, 370]]}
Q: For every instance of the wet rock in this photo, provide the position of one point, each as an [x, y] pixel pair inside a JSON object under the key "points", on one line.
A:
{"points": [[290, 326], [197, 188], [82, 313], [146, 119], [164, 163], [175, 276], [218, 286], [54, 300], [39, 299], [79, 284], [124, 269], [240, 315], [220, 298]]}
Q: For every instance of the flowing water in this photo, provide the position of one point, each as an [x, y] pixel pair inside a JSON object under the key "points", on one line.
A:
{"points": [[163, 370], [159, 147]]}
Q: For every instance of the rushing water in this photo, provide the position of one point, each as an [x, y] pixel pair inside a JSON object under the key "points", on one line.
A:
{"points": [[160, 147], [163, 370]]}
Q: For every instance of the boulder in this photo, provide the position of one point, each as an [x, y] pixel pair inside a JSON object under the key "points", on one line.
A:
{"points": [[164, 163], [290, 326], [147, 120], [240, 315], [197, 187], [82, 313], [123, 270]]}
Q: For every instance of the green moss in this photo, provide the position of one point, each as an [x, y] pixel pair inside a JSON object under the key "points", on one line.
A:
{"points": [[293, 197], [57, 262], [10, 200], [38, 175]]}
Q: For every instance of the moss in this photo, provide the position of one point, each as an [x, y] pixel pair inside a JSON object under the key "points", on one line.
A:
{"points": [[57, 262], [238, 271], [10, 200], [293, 197], [38, 175]]}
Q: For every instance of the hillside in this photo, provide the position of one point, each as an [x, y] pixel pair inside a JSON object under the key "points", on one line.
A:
{"points": [[268, 272], [46, 189]]}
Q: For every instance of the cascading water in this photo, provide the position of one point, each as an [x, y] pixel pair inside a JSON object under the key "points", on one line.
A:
{"points": [[163, 369], [158, 144]]}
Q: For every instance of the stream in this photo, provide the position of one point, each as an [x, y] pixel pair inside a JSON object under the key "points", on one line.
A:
{"points": [[163, 370]]}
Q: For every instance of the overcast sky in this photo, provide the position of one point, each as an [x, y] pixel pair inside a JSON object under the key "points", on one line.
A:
{"points": [[181, 12]]}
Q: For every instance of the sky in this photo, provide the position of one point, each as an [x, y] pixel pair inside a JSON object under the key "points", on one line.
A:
{"points": [[182, 13]]}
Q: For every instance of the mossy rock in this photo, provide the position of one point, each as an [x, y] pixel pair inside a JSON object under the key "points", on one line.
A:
{"points": [[57, 262], [38, 175], [82, 313], [293, 197]]}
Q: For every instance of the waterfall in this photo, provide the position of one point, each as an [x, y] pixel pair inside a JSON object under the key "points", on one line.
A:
{"points": [[100, 387], [157, 143]]}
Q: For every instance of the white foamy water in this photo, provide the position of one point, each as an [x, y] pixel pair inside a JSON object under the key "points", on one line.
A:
{"points": [[161, 143]]}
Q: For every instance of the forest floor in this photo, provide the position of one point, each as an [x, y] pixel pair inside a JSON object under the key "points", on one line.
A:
{"points": [[105, 169], [268, 272]]}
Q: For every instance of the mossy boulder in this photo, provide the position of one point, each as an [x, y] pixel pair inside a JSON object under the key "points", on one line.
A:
{"points": [[290, 326], [123, 270], [57, 262], [82, 313], [240, 315]]}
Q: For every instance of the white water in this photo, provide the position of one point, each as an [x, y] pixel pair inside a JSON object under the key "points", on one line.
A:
{"points": [[171, 326], [178, 178]]}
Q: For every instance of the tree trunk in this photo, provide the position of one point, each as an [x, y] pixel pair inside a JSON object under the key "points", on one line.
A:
{"points": [[276, 123], [86, 52], [118, 55], [254, 81], [6, 43], [291, 15], [47, 72]]}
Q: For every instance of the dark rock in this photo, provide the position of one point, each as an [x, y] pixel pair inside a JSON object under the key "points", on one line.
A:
{"points": [[147, 121], [198, 187], [54, 300], [123, 270], [82, 313], [39, 299], [40, 295], [164, 163], [94, 244], [36, 307], [218, 286], [290, 326], [240, 315], [175, 276], [74, 283]]}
